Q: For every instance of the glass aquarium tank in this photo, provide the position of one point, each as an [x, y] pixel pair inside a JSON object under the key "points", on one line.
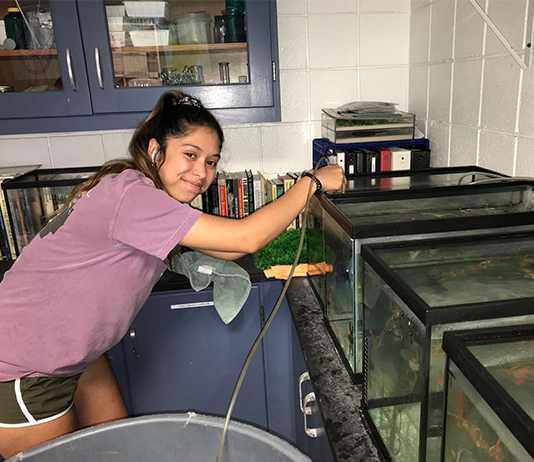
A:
{"points": [[349, 220], [489, 395], [414, 292], [32, 199]]}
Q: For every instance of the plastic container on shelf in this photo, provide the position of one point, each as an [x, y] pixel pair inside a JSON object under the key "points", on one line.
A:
{"points": [[115, 11], [147, 9], [149, 38], [115, 23], [234, 26], [191, 28], [14, 25], [117, 39]]}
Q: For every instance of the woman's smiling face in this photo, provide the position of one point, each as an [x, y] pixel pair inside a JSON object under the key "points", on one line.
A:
{"points": [[190, 163]]}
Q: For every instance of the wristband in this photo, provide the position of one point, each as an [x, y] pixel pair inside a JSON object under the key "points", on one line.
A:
{"points": [[317, 181]]}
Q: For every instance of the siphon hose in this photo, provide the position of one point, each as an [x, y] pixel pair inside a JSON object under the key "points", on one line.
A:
{"points": [[268, 322]]}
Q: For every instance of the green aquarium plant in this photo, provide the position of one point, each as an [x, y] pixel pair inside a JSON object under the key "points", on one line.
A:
{"points": [[283, 250]]}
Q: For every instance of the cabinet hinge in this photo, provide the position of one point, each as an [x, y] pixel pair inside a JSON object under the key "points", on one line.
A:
{"points": [[274, 71]]}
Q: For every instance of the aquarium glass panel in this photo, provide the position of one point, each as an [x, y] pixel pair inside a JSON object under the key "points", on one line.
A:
{"points": [[466, 272], [394, 374], [474, 433], [512, 365], [435, 208]]}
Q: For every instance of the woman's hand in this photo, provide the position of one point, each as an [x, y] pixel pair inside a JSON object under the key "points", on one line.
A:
{"points": [[333, 179]]}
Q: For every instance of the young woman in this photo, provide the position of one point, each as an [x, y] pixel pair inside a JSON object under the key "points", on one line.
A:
{"points": [[74, 290]]}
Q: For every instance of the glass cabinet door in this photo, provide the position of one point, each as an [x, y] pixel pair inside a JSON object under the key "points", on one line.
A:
{"points": [[42, 69], [191, 45]]}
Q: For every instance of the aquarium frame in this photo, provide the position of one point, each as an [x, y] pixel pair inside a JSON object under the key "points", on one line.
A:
{"points": [[455, 345], [475, 170], [445, 314], [368, 230]]}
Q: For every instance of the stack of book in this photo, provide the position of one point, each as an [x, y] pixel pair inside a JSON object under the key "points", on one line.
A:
{"points": [[392, 158], [238, 194]]}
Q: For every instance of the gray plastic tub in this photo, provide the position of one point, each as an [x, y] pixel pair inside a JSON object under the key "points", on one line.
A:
{"points": [[165, 438]]}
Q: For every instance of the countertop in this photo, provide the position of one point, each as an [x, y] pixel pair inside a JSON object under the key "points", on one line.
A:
{"points": [[338, 397]]}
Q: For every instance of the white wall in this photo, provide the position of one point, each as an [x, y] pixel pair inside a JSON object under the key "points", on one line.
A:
{"points": [[471, 99], [331, 52]]}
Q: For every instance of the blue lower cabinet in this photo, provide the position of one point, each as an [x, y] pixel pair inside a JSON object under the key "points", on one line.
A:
{"points": [[181, 357], [292, 408]]}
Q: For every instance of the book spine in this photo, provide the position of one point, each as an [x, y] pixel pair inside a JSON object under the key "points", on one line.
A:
{"points": [[206, 203], [223, 206], [16, 214], [240, 206], [340, 154], [197, 203], [213, 194], [258, 192], [10, 241], [350, 163], [385, 160], [47, 202], [244, 184], [250, 185]]}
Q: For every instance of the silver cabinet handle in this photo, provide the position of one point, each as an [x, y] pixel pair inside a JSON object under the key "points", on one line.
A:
{"points": [[305, 376], [311, 432], [69, 68], [98, 70], [134, 344]]}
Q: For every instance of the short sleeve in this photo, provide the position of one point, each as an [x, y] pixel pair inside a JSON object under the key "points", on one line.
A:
{"points": [[150, 220]]}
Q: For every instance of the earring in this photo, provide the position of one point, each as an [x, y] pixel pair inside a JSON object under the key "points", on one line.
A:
{"points": [[154, 154]]}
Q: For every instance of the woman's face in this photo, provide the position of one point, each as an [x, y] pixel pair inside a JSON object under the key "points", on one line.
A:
{"points": [[190, 163]]}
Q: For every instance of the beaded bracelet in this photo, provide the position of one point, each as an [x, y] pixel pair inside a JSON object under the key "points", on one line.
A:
{"points": [[317, 181]]}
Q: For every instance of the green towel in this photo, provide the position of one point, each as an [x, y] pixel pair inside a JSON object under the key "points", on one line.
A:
{"points": [[231, 283]]}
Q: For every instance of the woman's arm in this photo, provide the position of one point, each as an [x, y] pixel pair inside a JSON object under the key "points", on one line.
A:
{"points": [[212, 233], [223, 255]]}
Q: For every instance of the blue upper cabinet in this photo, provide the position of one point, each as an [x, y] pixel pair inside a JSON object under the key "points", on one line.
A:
{"points": [[103, 64]]}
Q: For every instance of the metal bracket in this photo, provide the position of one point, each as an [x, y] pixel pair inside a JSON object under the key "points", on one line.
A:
{"points": [[523, 64]]}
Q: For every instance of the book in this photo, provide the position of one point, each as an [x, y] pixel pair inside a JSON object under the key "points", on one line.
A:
{"points": [[350, 162], [243, 194], [221, 184], [371, 161], [196, 203], [47, 202], [263, 188], [250, 190], [240, 196], [269, 191], [213, 196], [231, 190], [400, 158], [385, 159], [8, 229], [259, 195], [340, 156], [288, 181], [278, 189]]}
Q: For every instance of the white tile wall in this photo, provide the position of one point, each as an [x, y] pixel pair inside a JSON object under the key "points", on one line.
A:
{"points": [[484, 79], [381, 40], [441, 30], [464, 142]]}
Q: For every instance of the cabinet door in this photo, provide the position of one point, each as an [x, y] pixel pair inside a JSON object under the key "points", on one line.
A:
{"points": [[164, 57], [311, 438], [187, 359], [48, 77], [286, 387]]}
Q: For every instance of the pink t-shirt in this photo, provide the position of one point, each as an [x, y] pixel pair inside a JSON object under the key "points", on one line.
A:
{"points": [[75, 289]]}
